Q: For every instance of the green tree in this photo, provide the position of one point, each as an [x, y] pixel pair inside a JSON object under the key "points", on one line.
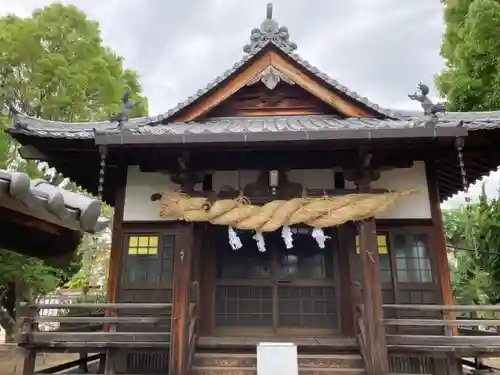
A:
{"points": [[474, 235], [470, 80], [53, 65]]}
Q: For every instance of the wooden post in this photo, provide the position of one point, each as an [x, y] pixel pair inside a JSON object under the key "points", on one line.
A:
{"points": [[26, 310], [439, 242], [110, 358], [29, 362], [376, 361], [440, 267], [180, 302]]}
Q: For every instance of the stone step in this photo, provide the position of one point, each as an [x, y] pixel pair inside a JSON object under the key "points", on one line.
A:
{"points": [[306, 361], [206, 370]]}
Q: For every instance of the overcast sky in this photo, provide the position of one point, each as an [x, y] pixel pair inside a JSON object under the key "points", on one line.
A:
{"points": [[379, 48]]}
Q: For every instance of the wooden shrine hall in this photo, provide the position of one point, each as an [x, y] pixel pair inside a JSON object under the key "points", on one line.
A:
{"points": [[274, 205]]}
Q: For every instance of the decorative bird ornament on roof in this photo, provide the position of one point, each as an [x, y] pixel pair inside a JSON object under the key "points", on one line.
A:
{"points": [[430, 109], [123, 115]]}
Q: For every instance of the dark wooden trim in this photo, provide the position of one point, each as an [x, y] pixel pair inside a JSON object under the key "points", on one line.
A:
{"points": [[207, 285], [393, 223], [117, 234], [183, 258], [158, 226], [244, 138], [142, 231], [346, 233]]}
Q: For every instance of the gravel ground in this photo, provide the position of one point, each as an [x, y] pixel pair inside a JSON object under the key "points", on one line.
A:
{"points": [[11, 360]]}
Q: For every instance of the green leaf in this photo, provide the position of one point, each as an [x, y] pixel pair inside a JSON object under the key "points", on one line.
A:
{"points": [[54, 65]]}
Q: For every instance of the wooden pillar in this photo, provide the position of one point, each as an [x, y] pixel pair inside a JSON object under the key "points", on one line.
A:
{"points": [[376, 357], [29, 362], [439, 243], [440, 269], [117, 234], [180, 301], [346, 235]]}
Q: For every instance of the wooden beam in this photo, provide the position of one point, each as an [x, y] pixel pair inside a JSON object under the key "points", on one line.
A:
{"points": [[29, 362], [346, 234], [117, 236], [376, 357], [325, 94], [442, 323], [450, 307], [440, 257], [183, 258], [222, 93], [60, 339]]}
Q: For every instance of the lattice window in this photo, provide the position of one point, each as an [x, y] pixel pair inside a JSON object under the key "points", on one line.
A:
{"points": [[167, 271], [413, 264], [149, 258], [384, 257], [246, 306], [308, 307]]}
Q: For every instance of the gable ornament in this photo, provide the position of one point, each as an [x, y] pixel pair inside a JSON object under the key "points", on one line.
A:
{"points": [[270, 77], [270, 31]]}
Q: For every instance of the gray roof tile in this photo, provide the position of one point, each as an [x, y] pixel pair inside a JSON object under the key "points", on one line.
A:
{"points": [[52, 129], [66, 206], [306, 65]]}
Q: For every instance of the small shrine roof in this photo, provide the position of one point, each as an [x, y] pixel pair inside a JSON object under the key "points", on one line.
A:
{"points": [[271, 34], [56, 205]]}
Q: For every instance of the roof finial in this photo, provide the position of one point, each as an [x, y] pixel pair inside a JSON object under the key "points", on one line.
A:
{"points": [[269, 32], [269, 13]]}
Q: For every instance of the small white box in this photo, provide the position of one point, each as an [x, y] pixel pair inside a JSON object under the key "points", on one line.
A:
{"points": [[277, 358]]}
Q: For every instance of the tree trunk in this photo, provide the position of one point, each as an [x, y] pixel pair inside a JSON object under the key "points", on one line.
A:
{"points": [[8, 326]]}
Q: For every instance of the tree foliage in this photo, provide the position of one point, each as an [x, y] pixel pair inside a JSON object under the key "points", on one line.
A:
{"points": [[53, 65], [471, 48], [474, 233]]}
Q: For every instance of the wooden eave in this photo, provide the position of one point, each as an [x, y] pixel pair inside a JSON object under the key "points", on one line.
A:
{"points": [[79, 159]]}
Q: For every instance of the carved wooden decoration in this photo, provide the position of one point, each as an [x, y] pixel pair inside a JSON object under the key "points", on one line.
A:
{"points": [[271, 77], [283, 100]]}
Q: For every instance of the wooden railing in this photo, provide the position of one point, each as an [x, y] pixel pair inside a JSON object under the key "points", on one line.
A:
{"points": [[471, 345], [85, 333]]}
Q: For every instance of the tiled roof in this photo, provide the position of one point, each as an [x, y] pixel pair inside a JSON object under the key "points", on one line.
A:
{"points": [[242, 125], [271, 34], [65, 206], [302, 62], [472, 120], [57, 129]]}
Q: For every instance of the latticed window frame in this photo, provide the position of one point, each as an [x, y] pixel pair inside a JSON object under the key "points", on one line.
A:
{"points": [[145, 244]]}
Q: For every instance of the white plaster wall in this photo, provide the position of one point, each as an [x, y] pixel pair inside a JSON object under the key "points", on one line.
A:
{"points": [[415, 206], [141, 185]]}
